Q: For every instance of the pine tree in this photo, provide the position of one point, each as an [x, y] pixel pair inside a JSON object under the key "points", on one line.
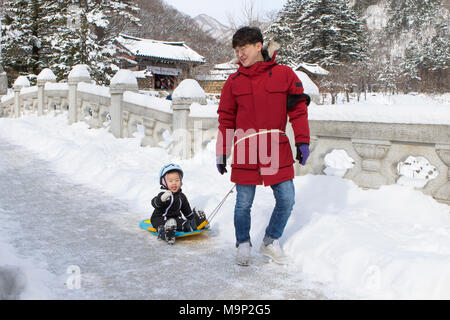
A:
{"points": [[30, 28], [326, 32], [424, 61], [282, 31], [331, 34], [87, 38]]}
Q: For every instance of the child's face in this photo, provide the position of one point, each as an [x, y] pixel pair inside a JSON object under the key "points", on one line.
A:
{"points": [[173, 181]]}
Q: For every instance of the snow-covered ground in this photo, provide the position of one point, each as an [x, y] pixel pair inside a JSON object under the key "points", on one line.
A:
{"points": [[344, 242], [401, 108]]}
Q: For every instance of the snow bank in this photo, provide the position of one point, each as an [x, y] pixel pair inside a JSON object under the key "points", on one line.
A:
{"points": [[199, 111], [94, 89], [143, 100], [337, 162], [391, 243], [56, 86], [416, 172], [418, 109]]}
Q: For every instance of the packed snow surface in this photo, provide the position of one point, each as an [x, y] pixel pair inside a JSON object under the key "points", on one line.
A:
{"points": [[344, 242]]}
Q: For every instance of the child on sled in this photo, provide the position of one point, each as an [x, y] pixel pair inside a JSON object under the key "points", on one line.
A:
{"points": [[172, 209]]}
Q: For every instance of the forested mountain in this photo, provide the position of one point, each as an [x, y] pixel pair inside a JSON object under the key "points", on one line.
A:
{"points": [[390, 45], [164, 22], [61, 33], [396, 45]]}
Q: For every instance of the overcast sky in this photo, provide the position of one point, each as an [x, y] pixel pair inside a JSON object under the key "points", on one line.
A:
{"points": [[219, 9]]}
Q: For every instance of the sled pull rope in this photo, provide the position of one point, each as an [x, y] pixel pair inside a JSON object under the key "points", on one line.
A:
{"points": [[214, 212]]}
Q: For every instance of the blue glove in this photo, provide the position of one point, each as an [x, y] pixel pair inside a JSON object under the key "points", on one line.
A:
{"points": [[302, 153], [221, 163]]}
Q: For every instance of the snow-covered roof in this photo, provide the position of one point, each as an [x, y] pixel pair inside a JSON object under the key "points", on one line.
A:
{"points": [[313, 68], [308, 85], [177, 51], [226, 66]]}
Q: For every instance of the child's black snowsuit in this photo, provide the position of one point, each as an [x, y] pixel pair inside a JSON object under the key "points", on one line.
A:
{"points": [[176, 207]]}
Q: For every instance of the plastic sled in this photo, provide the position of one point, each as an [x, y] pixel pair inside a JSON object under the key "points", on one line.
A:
{"points": [[147, 225]]}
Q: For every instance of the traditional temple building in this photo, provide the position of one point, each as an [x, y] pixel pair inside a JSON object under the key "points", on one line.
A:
{"points": [[159, 64]]}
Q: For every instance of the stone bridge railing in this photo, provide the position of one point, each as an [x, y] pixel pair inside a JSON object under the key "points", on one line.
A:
{"points": [[376, 148], [119, 107]]}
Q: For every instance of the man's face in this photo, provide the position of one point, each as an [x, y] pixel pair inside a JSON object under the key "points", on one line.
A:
{"points": [[249, 54]]}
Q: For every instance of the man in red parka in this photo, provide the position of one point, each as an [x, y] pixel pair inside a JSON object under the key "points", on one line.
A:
{"points": [[254, 106]]}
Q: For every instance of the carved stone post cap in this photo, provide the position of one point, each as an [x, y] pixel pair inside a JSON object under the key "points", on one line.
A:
{"points": [[46, 75], [79, 73], [21, 82], [188, 92], [123, 80]]}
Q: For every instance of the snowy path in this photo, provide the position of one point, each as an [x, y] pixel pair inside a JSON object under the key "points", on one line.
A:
{"points": [[55, 223]]}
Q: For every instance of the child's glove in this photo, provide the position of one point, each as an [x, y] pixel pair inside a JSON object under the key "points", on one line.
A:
{"points": [[166, 196]]}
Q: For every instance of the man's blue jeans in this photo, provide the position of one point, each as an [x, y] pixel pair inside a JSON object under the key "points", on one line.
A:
{"points": [[284, 193]]}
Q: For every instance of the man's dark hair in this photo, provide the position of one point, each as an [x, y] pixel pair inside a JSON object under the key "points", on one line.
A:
{"points": [[247, 35]]}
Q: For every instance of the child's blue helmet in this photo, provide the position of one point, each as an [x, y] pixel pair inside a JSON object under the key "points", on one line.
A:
{"points": [[165, 170]]}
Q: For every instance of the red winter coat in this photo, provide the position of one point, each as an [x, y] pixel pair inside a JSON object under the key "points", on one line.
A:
{"points": [[252, 119]]}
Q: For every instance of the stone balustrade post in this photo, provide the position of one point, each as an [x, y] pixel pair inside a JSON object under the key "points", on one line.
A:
{"points": [[79, 73], [124, 80], [149, 126], [3, 82], [372, 152], [187, 93], [20, 83], [46, 75], [443, 194]]}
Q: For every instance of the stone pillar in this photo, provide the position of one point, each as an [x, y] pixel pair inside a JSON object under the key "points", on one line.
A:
{"points": [[443, 194], [40, 97], [149, 126], [20, 83], [3, 82], [79, 73], [372, 152], [46, 75], [187, 92], [124, 80]]}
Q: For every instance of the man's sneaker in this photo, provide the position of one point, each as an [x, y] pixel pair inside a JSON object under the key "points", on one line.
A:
{"points": [[274, 252], [169, 229], [243, 254]]}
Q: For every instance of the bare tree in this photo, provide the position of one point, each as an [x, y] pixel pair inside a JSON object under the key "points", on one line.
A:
{"points": [[249, 15], [160, 21]]}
